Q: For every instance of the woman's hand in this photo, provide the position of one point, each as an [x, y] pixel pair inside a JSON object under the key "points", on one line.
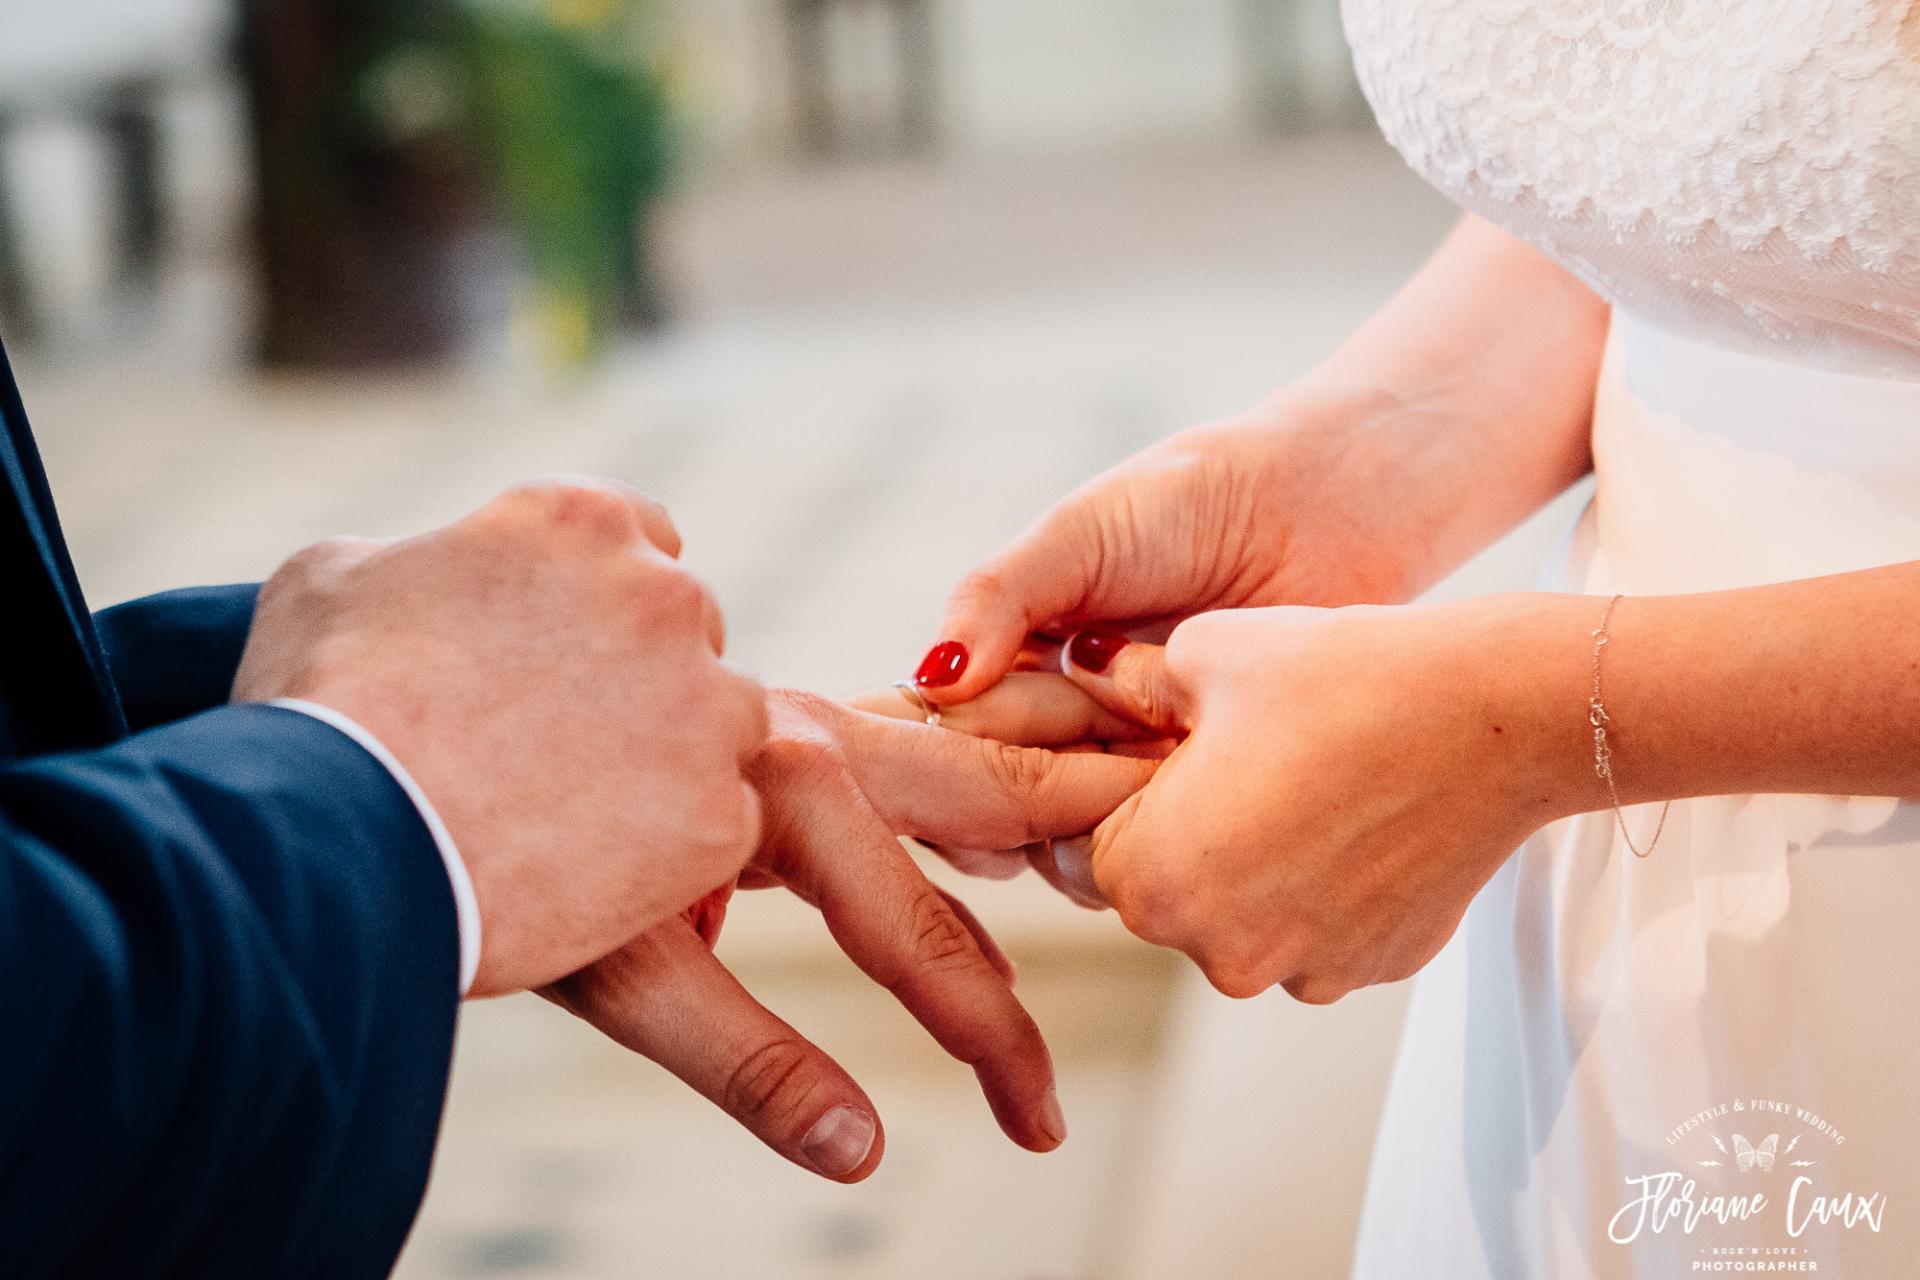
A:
{"points": [[1348, 781], [1448, 418], [1249, 512]]}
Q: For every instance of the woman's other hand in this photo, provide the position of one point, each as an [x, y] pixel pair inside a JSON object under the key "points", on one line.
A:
{"points": [[1216, 517], [1449, 417]]}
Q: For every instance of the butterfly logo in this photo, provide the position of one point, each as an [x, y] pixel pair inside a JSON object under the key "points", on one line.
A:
{"points": [[1748, 1156]]}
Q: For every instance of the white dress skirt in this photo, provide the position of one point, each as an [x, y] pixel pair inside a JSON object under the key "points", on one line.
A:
{"points": [[1611, 1043]]}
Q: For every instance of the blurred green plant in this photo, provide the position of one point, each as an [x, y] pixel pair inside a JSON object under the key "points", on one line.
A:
{"points": [[572, 110], [384, 130]]}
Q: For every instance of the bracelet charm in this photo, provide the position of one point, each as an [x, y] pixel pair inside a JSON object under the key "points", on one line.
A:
{"points": [[1602, 752]]}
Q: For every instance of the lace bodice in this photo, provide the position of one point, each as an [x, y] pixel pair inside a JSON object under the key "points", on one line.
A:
{"points": [[1744, 172]]}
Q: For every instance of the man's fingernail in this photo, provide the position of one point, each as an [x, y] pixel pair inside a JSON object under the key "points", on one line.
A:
{"points": [[1094, 650], [944, 664], [1052, 1121], [1073, 863], [839, 1141]]}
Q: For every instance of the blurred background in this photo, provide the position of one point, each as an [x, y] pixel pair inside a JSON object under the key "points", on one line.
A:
{"points": [[857, 287]]}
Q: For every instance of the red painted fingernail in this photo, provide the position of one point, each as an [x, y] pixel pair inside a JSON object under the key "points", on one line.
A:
{"points": [[944, 664], [1095, 650]]}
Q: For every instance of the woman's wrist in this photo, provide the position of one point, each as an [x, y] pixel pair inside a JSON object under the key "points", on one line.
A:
{"points": [[1808, 687], [1314, 500], [1532, 653], [1390, 489], [1458, 409], [1354, 492]]}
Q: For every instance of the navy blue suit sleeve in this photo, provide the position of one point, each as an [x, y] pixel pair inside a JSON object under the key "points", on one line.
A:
{"points": [[228, 971], [174, 654]]}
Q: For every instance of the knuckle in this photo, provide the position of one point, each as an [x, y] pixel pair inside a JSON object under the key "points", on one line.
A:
{"points": [[1411, 956], [1191, 640], [1026, 775], [790, 759], [528, 498], [750, 702], [311, 577], [981, 587], [699, 602], [572, 503], [600, 513], [1237, 970], [1319, 989], [654, 509], [1236, 979], [772, 1085], [608, 982], [727, 816], [786, 757], [323, 559], [1153, 905], [804, 705], [753, 820], [1146, 696], [937, 939], [670, 596]]}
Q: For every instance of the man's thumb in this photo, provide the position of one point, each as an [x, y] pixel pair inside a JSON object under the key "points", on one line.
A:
{"points": [[1128, 678]]}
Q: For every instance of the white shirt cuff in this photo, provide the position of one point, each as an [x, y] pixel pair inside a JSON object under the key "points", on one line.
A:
{"points": [[466, 907]]}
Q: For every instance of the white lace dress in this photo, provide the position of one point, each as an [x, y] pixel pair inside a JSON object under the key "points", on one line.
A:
{"points": [[1703, 1063]]}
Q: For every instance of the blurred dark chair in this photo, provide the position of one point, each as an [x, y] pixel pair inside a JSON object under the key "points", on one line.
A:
{"points": [[828, 123], [363, 216]]}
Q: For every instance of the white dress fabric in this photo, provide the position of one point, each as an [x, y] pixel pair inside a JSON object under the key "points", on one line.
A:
{"points": [[1680, 1066]]}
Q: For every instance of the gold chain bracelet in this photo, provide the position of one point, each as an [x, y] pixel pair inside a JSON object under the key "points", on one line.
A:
{"points": [[1602, 753]]}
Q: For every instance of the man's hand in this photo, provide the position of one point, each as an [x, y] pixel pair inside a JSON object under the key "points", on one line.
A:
{"points": [[552, 681], [837, 786]]}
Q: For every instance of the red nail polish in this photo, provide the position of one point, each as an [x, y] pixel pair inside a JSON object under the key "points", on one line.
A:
{"points": [[944, 664], [1095, 650]]}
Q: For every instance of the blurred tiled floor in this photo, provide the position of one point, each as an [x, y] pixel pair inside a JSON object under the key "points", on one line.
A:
{"points": [[878, 377]]}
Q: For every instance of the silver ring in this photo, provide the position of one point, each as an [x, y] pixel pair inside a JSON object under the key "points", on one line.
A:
{"points": [[929, 714]]}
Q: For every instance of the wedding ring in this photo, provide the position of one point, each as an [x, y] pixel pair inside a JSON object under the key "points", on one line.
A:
{"points": [[929, 714]]}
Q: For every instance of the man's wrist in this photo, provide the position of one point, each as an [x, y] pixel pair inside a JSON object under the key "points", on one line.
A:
{"points": [[466, 904]]}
